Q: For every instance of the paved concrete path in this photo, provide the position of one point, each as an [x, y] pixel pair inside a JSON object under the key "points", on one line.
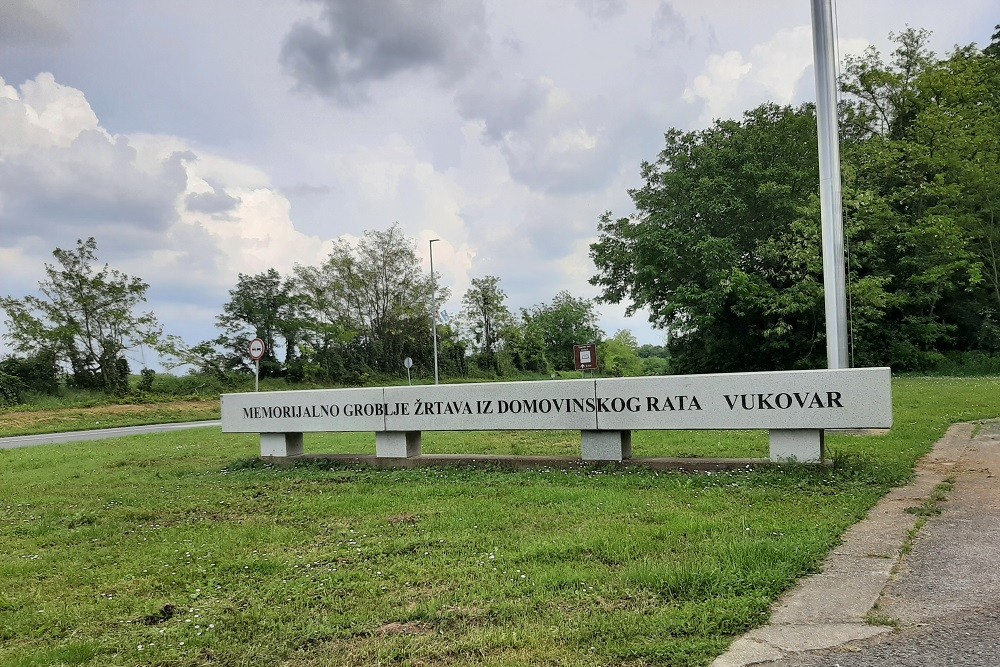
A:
{"points": [[18, 441], [942, 600]]}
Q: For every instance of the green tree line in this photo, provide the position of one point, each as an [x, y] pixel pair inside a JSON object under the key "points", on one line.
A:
{"points": [[354, 319], [724, 248], [351, 320]]}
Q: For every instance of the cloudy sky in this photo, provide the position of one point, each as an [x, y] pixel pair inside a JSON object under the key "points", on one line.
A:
{"points": [[200, 139]]}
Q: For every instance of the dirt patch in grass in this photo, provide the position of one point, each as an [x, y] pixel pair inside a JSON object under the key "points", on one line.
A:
{"points": [[408, 628]]}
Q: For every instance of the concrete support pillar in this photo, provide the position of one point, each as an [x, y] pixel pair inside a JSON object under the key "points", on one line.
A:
{"points": [[606, 445], [804, 445], [397, 444], [281, 444]]}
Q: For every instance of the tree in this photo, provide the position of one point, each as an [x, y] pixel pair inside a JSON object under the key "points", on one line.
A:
{"points": [[699, 253], [993, 49], [724, 248], [559, 325], [619, 356], [525, 348], [204, 358], [886, 97], [261, 306], [484, 319], [453, 357], [937, 175], [369, 305], [329, 349], [85, 316], [655, 359]]}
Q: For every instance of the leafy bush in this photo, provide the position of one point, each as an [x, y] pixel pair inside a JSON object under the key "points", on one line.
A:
{"points": [[146, 377], [37, 373], [199, 384], [969, 363], [11, 390]]}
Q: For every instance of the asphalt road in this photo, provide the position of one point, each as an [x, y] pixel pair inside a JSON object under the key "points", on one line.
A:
{"points": [[945, 594], [19, 441], [967, 640]]}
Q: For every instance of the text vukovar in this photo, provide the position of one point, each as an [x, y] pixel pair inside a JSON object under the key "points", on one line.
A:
{"points": [[773, 401]]}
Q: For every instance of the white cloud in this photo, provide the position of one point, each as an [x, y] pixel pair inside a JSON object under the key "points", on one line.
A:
{"points": [[43, 114], [61, 171], [718, 86], [772, 71]]}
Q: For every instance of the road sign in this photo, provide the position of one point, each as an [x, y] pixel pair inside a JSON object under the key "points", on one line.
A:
{"points": [[408, 363], [257, 349], [585, 357]]}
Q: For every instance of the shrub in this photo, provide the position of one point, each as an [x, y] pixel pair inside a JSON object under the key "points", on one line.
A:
{"points": [[147, 375], [11, 390], [200, 384], [969, 363], [37, 373]]}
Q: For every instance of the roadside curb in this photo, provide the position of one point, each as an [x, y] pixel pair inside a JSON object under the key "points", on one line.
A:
{"points": [[831, 608]]}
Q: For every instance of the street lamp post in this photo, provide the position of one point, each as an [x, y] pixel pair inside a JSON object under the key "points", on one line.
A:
{"points": [[434, 331]]}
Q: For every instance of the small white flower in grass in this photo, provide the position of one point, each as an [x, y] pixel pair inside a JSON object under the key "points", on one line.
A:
{"points": [[139, 647]]}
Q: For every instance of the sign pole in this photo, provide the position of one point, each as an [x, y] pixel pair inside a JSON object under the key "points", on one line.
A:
{"points": [[830, 193], [434, 312]]}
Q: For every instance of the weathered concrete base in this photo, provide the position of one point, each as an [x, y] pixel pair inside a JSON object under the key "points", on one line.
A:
{"points": [[606, 445], [397, 444], [803, 445], [505, 462], [281, 444]]}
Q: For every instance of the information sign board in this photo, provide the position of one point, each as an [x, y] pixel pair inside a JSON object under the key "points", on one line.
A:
{"points": [[585, 357]]}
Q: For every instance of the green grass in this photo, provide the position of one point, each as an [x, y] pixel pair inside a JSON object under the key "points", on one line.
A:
{"points": [[184, 549], [29, 420]]}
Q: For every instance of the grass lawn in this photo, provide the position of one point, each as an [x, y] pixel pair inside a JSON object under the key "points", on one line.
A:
{"points": [[28, 420], [183, 549]]}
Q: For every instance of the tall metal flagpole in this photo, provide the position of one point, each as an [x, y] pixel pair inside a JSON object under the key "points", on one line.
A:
{"points": [[832, 216], [434, 327]]}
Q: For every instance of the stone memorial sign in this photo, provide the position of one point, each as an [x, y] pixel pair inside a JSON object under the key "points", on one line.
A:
{"points": [[795, 406]]}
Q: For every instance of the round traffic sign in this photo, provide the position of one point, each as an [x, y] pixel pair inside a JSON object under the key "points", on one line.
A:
{"points": [[257, 349], [408, 362]]}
